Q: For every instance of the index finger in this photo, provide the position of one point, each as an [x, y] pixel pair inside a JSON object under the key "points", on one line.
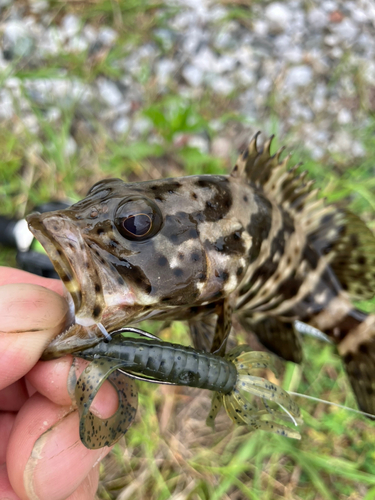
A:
{"points": [[10, 275], [30, 317]]}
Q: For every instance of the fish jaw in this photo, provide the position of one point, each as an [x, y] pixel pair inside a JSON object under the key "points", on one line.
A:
{"points": [[92, 290]]}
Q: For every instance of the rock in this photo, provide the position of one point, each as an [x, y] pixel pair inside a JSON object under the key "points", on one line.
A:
{"points": [[70, 25], [109, 92], [53, 114], [6, 108], [141, 125], [192, 75], [122, 125], [222, 85], [298, 110], [264, 85], [358, 149], [164, 69], [278, 16], [38, 6], [70, 147], [17, 40], [30, 122], [245, 76], [298, 76], [61, 90], [317, 19], [369, 73], [329, 5], [166, 37], [260, 27], [90, 33], [51, 42], [319, 98], [346, 31], [199, 142], [107, 36]]}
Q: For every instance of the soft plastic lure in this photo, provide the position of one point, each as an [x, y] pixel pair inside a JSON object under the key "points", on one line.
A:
{"points": [[232, 379]]}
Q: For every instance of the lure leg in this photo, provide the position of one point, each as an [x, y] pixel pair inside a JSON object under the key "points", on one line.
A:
{"points": [[94, 431], [242, 409]]}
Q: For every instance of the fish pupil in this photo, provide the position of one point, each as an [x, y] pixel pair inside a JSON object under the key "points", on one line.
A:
{"points": [[137, 225]]}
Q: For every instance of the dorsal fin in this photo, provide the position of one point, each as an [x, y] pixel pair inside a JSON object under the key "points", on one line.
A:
{"points": [[340, 235], [285, 186]]}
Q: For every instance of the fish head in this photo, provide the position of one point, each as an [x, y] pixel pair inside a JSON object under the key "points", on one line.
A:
{"points": [[130, 251]]}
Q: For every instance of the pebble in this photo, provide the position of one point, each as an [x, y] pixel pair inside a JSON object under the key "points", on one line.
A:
{"points": [[107, 36], [6, 108], [278, 16], [109, 92], [222, 85], [345, 31], [70, 147], [199, 142], [17, 40], [317, 19], [38, 6], [192, 75], [298, 76], [122, 125], [70, 25]]}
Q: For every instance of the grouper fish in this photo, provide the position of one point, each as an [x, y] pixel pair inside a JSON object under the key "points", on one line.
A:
{"points": [[259, 244]]}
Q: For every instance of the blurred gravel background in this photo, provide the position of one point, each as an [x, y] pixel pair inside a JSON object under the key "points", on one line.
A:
{"points": [[311, 64], [138, 89]]}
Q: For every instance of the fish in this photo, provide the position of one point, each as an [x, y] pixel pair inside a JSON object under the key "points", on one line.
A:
{"points": [[259, 244]]}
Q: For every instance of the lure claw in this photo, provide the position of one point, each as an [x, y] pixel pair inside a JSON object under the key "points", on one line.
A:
{"points": [[240, 404]]}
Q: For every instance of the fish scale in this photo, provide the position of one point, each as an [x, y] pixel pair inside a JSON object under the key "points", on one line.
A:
{"points": [[258, 243]]}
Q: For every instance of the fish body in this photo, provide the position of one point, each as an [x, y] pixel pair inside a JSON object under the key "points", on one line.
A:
{"points": [[257, 243]]}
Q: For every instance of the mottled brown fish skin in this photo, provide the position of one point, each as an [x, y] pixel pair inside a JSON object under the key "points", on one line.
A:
{"points": [[259, 243]]}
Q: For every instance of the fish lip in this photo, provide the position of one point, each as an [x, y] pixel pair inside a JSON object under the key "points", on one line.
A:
{"points": [[37, 224]]}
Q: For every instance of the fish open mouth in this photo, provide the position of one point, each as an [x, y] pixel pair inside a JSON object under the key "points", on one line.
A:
{"points": [[62, 242], [74, 263], [100, 305]]}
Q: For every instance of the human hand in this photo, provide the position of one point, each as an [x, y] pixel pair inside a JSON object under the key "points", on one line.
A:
{"points": [[41, 455]]}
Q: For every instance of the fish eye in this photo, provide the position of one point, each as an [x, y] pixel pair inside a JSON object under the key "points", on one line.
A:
{"points": [[138, 219]]}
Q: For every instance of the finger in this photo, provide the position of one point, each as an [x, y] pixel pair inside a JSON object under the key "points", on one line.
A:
{"points": [[87, 489], [45, 457], [13, 396], [6, 490], [50, 378], [9, 275], [6, 423], [30, 317]]}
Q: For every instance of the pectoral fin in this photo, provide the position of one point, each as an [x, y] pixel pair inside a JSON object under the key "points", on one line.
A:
{"points": [[223, 327], [202, 332], [278, 336]]}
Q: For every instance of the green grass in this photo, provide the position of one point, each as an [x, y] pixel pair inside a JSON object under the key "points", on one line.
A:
{"points": [[169, 452]]}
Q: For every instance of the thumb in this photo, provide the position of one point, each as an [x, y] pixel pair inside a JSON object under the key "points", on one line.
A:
{"points": [[30, 316]]}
